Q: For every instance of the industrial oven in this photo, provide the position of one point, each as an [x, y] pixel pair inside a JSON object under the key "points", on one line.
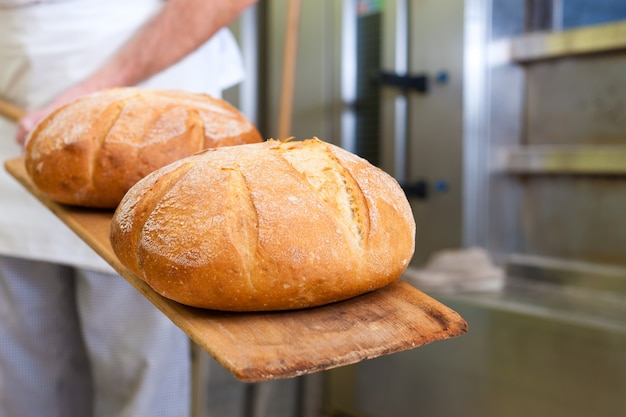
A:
{"points": [[505, 121], [520, 141]]}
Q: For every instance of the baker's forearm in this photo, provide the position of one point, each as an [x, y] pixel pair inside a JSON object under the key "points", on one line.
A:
{"points": [[179, 29]]}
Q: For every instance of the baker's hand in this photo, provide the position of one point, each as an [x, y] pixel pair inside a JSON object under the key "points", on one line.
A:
{"points": [[28, 122]]}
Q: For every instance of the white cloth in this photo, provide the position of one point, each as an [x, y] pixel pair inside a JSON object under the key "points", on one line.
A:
{"points": [[458, 270], [46, 48]]}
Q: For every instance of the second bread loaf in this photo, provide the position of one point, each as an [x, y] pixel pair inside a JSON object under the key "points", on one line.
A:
{"points": [[90, 151]]}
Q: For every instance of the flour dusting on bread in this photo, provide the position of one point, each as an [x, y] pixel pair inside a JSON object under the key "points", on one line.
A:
{"points": [[266, 226], [90, 151]]}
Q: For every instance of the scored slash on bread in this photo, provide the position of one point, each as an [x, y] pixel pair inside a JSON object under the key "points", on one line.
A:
{"points": [[90, 151], [267, 226]]}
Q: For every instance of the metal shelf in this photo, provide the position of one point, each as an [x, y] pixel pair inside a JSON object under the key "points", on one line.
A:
{"points": [[570, 273], [566, 159], [548, 45]]}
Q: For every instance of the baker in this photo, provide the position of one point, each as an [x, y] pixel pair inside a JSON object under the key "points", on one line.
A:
{"points": [[75, 338]]}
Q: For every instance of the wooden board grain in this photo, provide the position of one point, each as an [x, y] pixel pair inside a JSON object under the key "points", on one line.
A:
{"points": [[273, 345]]}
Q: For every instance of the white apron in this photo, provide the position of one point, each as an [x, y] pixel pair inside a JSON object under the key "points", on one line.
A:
{"points": [[46, 48]]}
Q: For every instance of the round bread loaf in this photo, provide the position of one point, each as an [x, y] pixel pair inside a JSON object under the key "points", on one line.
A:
{"points": [[268, 226], [90, 151]]}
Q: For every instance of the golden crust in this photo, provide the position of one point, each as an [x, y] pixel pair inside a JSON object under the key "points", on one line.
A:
{"points": [[90, 151], [268, 226]]}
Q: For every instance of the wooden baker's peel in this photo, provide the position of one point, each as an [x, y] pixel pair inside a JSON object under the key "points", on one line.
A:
{"points": [[273, 345]]}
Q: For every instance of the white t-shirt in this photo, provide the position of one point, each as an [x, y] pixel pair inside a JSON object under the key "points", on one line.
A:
{"points": [[64, 42]]}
